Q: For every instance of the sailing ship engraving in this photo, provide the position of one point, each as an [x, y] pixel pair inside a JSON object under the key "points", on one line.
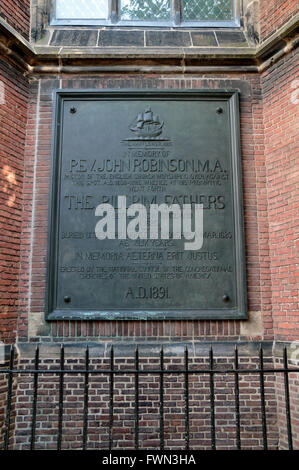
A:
{"points": [[147, 126]]}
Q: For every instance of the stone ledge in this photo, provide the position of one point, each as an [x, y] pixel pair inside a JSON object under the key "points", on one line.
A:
{"points": [[110, 37], [9, 31], [224, 349], [146, 349], [206, 57], [148, 52], [290, 29], [61, 37], [167, 38]]}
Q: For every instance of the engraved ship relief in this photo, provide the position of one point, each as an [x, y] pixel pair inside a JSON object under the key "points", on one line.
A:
{"points": [[147, 126]]}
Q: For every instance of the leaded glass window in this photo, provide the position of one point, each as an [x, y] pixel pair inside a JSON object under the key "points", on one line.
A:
{"points": [[205, 10], [147, 12], [85, 9]]}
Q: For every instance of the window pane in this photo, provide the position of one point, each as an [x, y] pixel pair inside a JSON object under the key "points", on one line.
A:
{"points": [[81, 9], [153, 10], [217, 10]]}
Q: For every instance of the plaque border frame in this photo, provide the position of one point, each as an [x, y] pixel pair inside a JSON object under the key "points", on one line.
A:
{"points": [[240, 312]]}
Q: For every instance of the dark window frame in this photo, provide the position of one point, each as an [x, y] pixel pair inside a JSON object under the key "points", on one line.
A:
{"points": [[176, 19]]}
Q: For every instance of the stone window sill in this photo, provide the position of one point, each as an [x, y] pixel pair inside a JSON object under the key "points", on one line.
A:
{"points": [[143, 38]]}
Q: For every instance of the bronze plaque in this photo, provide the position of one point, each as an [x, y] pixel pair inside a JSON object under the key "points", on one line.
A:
{"points": [[146, 207]]}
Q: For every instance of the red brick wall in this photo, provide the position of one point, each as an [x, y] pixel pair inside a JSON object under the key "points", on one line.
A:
{"points": [[274, 13], [34, 267], [281, 111], [17, 14], [13, 117]]}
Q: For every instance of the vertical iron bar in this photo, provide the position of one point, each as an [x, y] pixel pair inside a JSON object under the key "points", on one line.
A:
{"points": [[60, 409], [85, 410], [136, 400], [111, 399], [263, 404], [212, 400], [9, 393], [237, 399], [287, 398], [161, 400], [186, 401], [34, 401]]}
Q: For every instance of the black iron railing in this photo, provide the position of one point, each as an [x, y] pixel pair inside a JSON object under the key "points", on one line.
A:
{"points": [[161, 372]]}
